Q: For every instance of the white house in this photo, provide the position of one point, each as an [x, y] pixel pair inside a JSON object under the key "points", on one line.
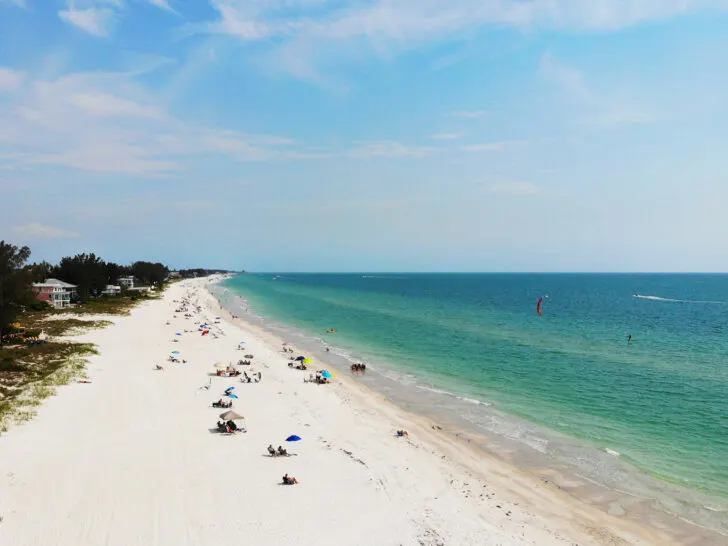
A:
{"points": [[126, 282], [55, 292], [111, 290]]}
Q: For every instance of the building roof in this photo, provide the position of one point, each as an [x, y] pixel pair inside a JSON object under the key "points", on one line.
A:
{"points": [[55, 283]]}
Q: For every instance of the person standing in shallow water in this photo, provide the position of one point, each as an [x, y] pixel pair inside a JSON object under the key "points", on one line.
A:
{"points": [[629, 339]]}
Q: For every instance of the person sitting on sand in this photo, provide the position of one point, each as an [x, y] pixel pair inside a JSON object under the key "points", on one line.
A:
{"points": [[402, 433], [282, 451], [271, 450], [232, 426], [289, 480]]}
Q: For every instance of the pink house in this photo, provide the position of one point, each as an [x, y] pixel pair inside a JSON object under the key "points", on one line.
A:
{"points": [[55, 292]]}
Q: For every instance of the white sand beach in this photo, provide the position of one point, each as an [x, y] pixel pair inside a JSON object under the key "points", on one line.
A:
{"points": [[134, 457]]}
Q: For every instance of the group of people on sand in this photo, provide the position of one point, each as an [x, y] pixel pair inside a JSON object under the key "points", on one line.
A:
{"points": [[358, 368], [254, 378], [228, 427], [228, 372], [222, 404], [318, 378], [277, 453]]}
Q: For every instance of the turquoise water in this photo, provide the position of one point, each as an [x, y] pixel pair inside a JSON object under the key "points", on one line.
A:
{"points": [[660, 401]]}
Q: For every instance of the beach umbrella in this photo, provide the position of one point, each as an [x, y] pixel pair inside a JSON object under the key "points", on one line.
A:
{"points": [[306, 361], [299, 358], [326, 374], [293, 438], [220, 365], [230, 415], [175, 352], [178, 334], [231, 395]]}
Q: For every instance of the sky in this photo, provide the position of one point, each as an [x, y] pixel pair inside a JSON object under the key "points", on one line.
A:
{"points": [[367, 135]]}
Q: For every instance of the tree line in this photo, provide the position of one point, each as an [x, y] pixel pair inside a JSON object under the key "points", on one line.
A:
{"points": [[88, 272], [200, 272]]}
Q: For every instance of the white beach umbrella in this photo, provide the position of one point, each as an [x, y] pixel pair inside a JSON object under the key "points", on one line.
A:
{"points": [[230, 415]]}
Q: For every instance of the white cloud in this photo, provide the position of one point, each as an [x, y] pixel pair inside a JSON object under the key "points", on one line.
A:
{"points": [[468, 114], [96, 21], [107, 105], [516, 188], [321, 29], [493, 146], [40, 231], [97, 17], [116, 157], [447, 136], [10, 80], [114, 126], [597, 107], [163, 4], [567, 77], [389, 149]]}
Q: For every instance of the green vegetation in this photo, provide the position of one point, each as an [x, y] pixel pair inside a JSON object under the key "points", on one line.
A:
{"points": [[30, 374], [15, 284]]}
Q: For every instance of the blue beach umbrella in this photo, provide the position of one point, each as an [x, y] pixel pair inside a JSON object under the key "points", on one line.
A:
{"points": [[231, 395], [300, 358], [175, 352], [293, 438], [326, 374]]}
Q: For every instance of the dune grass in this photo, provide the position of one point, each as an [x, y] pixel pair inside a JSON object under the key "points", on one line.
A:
{"points": [[28, 375]]}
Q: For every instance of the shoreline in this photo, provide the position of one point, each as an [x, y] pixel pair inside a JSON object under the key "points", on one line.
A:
{"points": [[133, 457], [609, 501]]}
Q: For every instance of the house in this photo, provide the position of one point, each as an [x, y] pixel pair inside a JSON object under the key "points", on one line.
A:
{"points": [[140, 289], [111, 290], [55, 292], [126, 282]]}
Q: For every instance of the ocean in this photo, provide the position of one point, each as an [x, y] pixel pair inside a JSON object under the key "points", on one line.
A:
{"points": [[564, 390]]}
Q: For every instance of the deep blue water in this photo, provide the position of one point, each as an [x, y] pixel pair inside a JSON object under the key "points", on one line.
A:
{"points": [[661, 401]]}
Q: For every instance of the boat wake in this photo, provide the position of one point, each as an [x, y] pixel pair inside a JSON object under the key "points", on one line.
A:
{"points": [[658, 298]]}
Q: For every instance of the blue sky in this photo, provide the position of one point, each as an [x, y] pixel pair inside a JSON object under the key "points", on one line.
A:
{"points": [[377, 135]]}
